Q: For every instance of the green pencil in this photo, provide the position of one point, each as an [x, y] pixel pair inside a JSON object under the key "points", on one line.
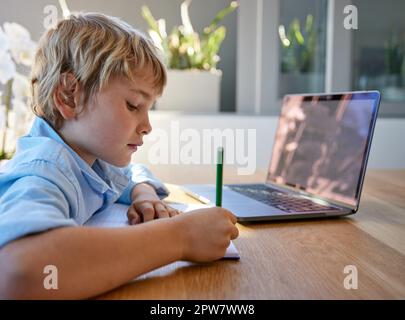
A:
{"points": [[220, 164]]}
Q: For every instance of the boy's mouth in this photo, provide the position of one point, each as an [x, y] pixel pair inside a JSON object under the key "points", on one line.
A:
{"points": [[133, 147]]}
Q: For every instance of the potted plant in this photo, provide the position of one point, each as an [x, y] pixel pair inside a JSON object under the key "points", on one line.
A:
{"points": [[298, 50], [193, 79], [394, 50]]}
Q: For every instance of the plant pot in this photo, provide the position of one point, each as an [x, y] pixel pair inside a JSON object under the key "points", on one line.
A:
{"points": [[191, 90], [393, 94], [301, 83]]}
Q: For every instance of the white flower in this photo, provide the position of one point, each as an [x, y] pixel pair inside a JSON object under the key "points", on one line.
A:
{"points": [[2, 116], [4, 43], [21, 46], [16, 47], [24, 52], [7, 67], [20, 118], [21, 87], [19, 106], [16, 32]]}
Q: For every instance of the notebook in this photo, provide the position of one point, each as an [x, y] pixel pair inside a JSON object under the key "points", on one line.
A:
{"points": [[116, 216]]}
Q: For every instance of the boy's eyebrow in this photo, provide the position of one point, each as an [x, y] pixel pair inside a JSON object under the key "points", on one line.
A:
{"points": [[141, 92]]}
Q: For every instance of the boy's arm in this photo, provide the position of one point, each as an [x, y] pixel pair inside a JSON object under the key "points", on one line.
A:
{"points": [[140, 174], [89, 261], [144, 189]]}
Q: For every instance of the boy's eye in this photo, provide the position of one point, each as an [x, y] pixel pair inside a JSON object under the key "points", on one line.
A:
{"points": [[131, 107]]}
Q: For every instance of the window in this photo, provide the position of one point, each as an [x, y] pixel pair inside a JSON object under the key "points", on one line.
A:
{"points": [[379, 52], [330, 57], [302, 47]]}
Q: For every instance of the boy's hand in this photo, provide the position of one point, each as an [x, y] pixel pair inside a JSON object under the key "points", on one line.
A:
{"points": [[206, 233], [147, 206]]}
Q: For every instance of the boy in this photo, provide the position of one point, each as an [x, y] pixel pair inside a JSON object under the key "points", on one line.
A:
{"points": [[94, 80]]}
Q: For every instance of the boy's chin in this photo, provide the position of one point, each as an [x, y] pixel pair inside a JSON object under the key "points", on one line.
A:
{"points": [[119, 162]]}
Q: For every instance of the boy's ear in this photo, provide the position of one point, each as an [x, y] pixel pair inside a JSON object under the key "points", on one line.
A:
{"points": [[66, 96]]}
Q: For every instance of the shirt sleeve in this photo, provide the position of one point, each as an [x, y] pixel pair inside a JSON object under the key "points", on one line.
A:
{"points": [[138, 173], [30, 205]]}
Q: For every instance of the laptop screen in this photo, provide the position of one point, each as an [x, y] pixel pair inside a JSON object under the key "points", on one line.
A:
{"points": [[322, 143]]}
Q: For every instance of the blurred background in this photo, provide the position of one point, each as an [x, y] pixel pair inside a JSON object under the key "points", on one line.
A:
{"points": [[246, 59]]}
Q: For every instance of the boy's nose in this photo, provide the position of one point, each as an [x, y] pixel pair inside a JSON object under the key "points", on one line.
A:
{"points": [[146, 127]]}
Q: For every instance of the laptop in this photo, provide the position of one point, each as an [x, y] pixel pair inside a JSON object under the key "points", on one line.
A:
{"points": [[318, 163]]}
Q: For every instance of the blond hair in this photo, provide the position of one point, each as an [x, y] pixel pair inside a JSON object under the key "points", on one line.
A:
{"points": [[94, 48]]}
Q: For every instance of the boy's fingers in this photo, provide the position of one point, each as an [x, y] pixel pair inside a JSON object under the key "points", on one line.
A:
{"points": [[232, 217], [161, 211], [131, 213], [133, 216], [235, 233], [147, 211], [135, 220], [172, 212]]}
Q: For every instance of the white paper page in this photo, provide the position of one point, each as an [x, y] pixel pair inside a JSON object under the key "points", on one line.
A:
{"points": [[116, 216], [113, 216]]}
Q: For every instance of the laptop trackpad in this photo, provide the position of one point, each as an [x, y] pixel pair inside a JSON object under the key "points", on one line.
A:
{"points": [[238, 204]]}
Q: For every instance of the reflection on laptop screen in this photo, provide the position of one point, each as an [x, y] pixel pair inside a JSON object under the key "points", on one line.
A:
{"points": [[321, 144]]}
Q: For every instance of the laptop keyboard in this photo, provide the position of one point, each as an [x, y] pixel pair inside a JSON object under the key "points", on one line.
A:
{"points": [[281, 200]]}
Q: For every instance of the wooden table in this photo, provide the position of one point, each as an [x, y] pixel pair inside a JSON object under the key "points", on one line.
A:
{"points": [[293, 260]]}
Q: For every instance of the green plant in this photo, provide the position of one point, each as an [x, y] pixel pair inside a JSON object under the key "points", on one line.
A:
{"points": [[184, 48], [298, 48], [394, 55]]}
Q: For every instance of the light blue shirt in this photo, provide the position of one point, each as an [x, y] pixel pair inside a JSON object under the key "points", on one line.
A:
{"points": [[47, 185]]}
